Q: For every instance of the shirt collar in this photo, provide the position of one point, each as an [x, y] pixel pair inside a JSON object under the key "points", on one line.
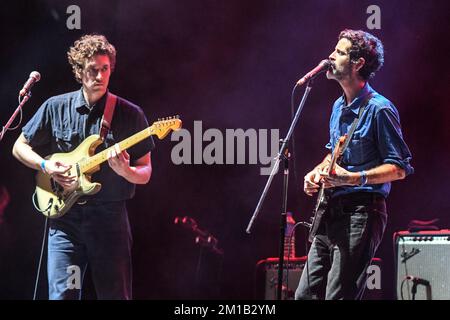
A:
{"points": [[82, 107], [356, 103]]}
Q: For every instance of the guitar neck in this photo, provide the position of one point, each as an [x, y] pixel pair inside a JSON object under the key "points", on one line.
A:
{"points": [[90, 163], [337, 152], [332, 164]]}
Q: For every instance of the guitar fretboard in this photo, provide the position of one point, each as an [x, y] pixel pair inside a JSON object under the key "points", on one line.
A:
{"points": [[88, 164]]}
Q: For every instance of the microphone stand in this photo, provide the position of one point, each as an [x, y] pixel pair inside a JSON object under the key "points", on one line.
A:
{"points": [[282, 155], [19, 108]]}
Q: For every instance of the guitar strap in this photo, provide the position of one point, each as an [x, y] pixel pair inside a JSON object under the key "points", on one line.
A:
{"points": [[356, 121], [108, 113]]}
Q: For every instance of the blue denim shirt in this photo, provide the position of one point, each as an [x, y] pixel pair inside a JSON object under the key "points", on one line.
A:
{"points": [[377, 139], [64, 121]]}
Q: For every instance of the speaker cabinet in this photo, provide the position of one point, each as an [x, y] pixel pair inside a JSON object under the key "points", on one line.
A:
{"points": [[422, 263], [267, 279]]}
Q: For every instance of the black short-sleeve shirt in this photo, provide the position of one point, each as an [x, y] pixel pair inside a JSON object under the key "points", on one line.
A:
{"points": [[64, 121]]}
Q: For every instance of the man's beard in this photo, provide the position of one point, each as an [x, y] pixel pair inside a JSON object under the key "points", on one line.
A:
{"points": [[333, 73]]}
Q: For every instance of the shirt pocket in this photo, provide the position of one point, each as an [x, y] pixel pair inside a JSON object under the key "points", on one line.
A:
{"points": [[357, 151], [66, 141]]}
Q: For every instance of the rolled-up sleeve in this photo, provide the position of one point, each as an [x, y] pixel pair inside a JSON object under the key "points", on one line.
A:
{"points": [[391, 145]]}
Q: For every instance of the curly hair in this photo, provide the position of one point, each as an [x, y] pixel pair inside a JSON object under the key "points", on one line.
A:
{"points": [[85, 48], [367, 46]]}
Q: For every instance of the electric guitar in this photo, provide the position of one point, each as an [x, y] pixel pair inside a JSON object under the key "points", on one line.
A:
{"points": [[54, 201], [323, 196]]}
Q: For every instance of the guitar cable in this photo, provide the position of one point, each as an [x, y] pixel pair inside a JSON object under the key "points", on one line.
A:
{"points": [[33, 199], [301, 223], [41, 258]]}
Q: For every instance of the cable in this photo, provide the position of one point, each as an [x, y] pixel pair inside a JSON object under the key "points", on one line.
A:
{"points": [[40, 258], [33, 199], [406, 268], [289, 251], [307, 264], [401, 288], [2, 133], [10, 129]]}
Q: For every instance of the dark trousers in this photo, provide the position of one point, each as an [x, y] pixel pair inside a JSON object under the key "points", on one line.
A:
{"points": [[98, 234], [342, 250]]}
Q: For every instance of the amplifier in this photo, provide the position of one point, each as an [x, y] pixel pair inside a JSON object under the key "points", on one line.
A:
{"points": [[422, 263], [267, 279]]}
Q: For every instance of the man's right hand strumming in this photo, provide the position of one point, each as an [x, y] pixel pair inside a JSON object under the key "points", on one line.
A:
{"points": [[311, 182], [312, 179], [59, 172]]}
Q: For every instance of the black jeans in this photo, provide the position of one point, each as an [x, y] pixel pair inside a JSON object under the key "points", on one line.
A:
{"points": [[342, 250]]}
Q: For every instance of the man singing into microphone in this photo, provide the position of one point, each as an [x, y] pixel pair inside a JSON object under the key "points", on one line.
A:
{"points": [[355, 218], [96, 231]]}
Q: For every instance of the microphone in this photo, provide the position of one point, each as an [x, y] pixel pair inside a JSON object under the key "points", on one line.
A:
{"points": [[34, 77], [406, 256], [321, 67], [417, 280]]}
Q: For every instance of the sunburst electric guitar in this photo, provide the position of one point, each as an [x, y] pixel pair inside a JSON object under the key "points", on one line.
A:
{"points": [[323, 197], [54, 201]]}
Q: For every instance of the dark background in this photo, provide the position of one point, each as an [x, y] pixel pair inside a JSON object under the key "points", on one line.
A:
{"points": [[230, 64]]}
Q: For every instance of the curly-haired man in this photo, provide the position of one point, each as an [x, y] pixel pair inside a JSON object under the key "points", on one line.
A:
{"points": [[355, 217], [96, 230]]}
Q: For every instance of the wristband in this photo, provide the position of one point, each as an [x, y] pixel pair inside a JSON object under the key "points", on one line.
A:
{"points": [[43, 166], [363, 179]]}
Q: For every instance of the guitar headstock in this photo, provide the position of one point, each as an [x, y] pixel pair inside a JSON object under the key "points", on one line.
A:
{"points": [[162, 127]]}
